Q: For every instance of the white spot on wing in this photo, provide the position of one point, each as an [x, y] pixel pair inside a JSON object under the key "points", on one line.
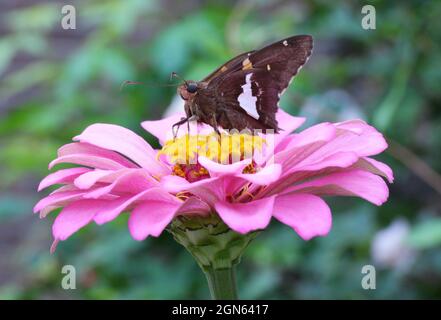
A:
{"points": [[246, 99], [285, 43]]}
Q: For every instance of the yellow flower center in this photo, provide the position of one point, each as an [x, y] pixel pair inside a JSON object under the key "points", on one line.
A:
{"points": [[224, 149], [251, 168], [183, 152], [191, 172]]}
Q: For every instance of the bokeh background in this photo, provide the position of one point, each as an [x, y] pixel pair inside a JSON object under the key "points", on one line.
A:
{"points": [[55, 82]]}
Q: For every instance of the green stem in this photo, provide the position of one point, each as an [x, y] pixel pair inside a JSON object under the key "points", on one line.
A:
{"points": [[222, 283], [216, 249]]}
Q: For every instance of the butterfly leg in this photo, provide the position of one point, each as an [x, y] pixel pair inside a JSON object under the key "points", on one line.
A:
{"points": [[181, 122], [190, 119], [188, 126], [178, 124], [214, 124]]}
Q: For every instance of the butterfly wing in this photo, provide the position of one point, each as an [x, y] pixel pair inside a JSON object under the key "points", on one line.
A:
{"points": [[228, 67], [253, 85]]}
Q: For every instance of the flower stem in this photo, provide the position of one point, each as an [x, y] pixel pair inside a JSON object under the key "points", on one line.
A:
{"points": [[222, 283], [216, 249]]}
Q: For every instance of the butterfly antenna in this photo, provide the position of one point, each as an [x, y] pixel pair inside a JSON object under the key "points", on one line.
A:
{"points": [[128, 82], [177, 76]]}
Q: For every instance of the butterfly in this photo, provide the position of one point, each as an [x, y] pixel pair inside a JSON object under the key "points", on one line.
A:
{"points": [[244, 92]]}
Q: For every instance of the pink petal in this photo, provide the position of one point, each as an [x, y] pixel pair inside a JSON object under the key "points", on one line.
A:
{"points": [[287, 122], [322, 132], [58, 199], [232, 185], [216, 169], [174, 184], [129, 181], [75, 216], [46, 210], [134, 181], [322, 141], [246, 217], [88, 161], [61, 176], [162, 129], [85, 148], [124, 141], [347, 183], [99, 192], [151, 218], [304, 170], [209, 190], [375, 167], [54, 246], [67, 187], [88, 179], [267, 175], [337, 160], [115, 207], [194, 206], [357, 126], [304, 144], [307, 214], [365, 141]]}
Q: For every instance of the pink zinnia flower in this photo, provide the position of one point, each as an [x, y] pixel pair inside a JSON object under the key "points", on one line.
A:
{"points": [[119, 171]]}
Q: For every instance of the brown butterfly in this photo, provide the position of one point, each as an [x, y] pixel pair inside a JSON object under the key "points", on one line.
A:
{"points": [[244, 92]]}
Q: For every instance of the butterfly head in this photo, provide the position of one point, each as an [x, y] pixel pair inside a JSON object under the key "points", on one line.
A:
{"points": [[188, 89]]}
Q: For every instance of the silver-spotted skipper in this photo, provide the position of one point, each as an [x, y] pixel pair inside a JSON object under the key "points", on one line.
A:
{"points": [[244, 92]]}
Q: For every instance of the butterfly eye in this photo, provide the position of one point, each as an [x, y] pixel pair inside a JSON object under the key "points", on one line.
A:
{"points": [[192, 87]]}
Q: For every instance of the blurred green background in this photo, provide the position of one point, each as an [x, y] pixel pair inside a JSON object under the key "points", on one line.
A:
{"points": [[55, 82]]}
